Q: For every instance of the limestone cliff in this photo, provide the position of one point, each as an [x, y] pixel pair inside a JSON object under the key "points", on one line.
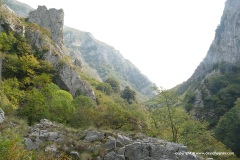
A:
{"points": [[51, 19], [222, 60], [68, 77], [225, 47]]}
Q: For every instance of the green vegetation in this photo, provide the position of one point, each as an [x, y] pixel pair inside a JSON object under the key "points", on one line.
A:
{"points": [[28, 93], [128, 94], [114, 84], [228, 128], [219, 94], [170, 121]]}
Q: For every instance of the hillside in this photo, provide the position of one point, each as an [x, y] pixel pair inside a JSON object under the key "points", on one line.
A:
{"points": [[51, 109], [107, 61], [212, 92]]}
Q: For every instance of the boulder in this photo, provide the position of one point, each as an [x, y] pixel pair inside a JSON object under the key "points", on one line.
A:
{"points": [[123, 140], [94, 136], [111, 143], [32, 144], [53, 136], [110, 156], [133, 151]]}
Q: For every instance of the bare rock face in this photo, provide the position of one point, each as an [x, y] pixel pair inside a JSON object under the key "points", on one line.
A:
{"points": [[13, 22], [68, 77], [51, 19], [225, 47]]}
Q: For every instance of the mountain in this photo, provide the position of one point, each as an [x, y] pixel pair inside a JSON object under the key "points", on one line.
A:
{"points": [[220, 67], [212, 92], [99, 120], [105, 61], [99, 60]]}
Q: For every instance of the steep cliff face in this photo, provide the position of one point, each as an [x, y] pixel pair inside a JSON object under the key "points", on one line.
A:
{"points": [[68, 76], [105, 60], [213, 88], [51, 19], [225, 47]]}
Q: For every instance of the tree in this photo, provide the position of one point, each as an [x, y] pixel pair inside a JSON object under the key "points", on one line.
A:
{"points": [[33, 106], [114, 84], [228, 128], [58, 102], [168, 100], [105, 87], [128, 94], [83, 102], [12, 93], [7, 41]]}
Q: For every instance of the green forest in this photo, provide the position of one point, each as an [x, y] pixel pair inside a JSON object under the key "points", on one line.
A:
{"points": [[29, 93]]}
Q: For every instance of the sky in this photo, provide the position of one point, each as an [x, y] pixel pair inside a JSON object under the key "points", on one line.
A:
{"points": [[165, 39]]}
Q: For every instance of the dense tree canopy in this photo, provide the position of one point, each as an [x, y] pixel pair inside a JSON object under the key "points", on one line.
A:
{"points": [[128, 94], [228, 128]]}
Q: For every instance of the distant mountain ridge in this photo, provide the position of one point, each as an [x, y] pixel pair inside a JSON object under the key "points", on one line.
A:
{"points": [[21, 9], [99, 60], [105, 60]]}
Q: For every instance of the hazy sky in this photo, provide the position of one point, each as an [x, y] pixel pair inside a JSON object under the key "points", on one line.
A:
{"points": [[165, 39]]}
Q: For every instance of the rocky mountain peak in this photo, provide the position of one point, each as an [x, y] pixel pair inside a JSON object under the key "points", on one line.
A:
{"points": [[51, 19], [225, 46]]}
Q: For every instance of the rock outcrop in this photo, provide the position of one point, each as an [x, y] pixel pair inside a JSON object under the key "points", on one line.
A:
{"points": [[225, 46], [222, 58], [2, 117], [68, 77], [10, 20], [67, 72], [224, 49], [51, 19], [112, 146]]}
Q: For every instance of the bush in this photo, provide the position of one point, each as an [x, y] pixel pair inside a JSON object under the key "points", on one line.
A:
{"points": [[105, 87]]}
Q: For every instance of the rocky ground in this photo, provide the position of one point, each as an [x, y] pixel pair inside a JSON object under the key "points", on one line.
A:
{"points": [[99, 145]]}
